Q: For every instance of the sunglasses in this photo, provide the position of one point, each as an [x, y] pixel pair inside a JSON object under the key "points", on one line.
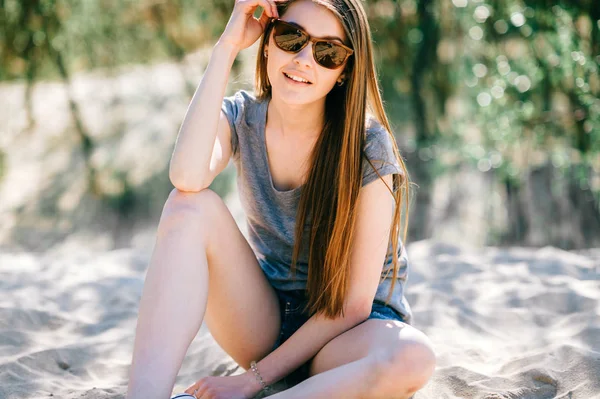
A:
{"points": [[292, 38]]}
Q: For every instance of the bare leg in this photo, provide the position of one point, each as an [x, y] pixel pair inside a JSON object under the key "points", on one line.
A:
{"points": [[376, 359], [351, 381], [365, 378], [192, 229], [171, 308]]}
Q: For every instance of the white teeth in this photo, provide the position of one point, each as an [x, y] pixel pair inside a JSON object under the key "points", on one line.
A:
{"points": [[297, 79]]}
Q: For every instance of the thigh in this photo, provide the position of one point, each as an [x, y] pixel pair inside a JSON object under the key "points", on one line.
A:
{"points": [[396, 348], [382, 332], [242, 311]]}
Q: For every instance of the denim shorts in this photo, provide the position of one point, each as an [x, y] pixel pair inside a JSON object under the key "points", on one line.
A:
{"points": [[291, 304]]}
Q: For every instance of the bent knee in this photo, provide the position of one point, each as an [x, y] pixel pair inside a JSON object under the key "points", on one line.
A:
{"points": [[183, 209], [190, 203], [409, 367]]}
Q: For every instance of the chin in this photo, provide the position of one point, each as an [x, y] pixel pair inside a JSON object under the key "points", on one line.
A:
{"points": [[293, 97], [297, 97]]}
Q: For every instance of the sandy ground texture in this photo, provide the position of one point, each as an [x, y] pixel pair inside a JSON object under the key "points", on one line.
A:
{"points": [[511, 323], [506, 323]]}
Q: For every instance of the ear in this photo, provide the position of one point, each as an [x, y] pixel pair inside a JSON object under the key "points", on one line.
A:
{"points": [[345, 72]]}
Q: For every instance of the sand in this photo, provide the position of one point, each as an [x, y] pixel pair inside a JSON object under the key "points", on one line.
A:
{"points": [[507, 323]]}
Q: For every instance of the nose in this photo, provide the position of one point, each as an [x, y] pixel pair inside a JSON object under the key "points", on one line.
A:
{"points": [[304, 56]]}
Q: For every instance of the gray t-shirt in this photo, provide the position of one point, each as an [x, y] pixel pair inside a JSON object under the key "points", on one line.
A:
{"points": [[271, 214]]}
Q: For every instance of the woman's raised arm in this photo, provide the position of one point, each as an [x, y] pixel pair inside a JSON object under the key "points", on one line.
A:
{"points": [[198, 156]]}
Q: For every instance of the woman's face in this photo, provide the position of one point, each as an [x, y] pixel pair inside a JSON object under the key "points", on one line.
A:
{"points": [[318, 22]]}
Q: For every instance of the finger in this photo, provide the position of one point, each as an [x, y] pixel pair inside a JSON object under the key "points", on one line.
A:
{"points": [[274, 8], [267, 7], [264, 20], [195, 393], [193, 389], [202, 389], [249, 6]]}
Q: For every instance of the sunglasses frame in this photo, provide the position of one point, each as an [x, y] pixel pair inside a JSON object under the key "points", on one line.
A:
{"points": [[314, 40]]}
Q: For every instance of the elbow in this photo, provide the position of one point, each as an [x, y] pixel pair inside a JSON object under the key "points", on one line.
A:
{"points": [[189, 175], [186, 183], [358, 310], [188, 188]]}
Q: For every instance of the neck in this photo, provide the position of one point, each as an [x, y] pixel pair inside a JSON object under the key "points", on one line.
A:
{"points": [[303, 121]]}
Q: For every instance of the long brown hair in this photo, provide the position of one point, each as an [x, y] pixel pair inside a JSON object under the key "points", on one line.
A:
{"points": [[330, 193]]}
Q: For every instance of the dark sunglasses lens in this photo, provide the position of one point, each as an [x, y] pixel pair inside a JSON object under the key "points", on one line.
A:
{"points": [[329, 54], [288, 38]]}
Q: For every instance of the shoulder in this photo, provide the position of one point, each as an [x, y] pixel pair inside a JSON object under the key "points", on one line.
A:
{"points": [[379, 142], [239, 100], [243, 105], [244, 97], [379, 156], [372, 125]]}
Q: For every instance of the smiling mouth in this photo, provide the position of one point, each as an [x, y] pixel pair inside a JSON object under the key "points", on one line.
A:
{"points": [[296, 79]]}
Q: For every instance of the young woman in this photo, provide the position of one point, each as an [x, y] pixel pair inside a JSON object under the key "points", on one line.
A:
{"points": [[316, 295]]}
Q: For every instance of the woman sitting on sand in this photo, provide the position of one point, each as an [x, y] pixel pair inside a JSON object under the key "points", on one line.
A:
{"points": [[316, 160]]}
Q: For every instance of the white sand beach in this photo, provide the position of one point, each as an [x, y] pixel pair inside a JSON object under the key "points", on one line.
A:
{"points": [[507, 323]]}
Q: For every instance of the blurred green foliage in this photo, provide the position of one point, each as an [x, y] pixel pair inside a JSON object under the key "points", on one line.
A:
{"points": [[506, 85], [92, 34], [503, 83]]}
